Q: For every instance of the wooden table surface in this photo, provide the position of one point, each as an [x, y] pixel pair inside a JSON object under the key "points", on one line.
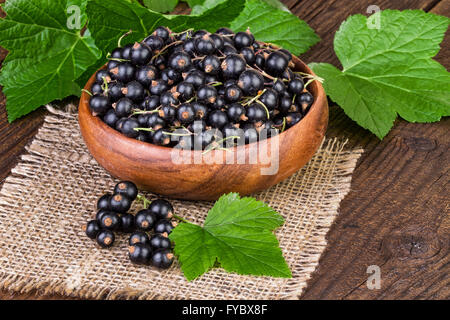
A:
{"points": [[397, 213]]}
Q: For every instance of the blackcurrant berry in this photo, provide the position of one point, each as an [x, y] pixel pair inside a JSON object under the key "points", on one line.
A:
{"points": [[162, 258], [126, 51], [250, 133], [186, 113], [119, 123], [154, 42], [171, 76], [99, 105], [119, 203], [150, 103], [157, 87], [197, 126], [207, 94], [305, 100], [236, 113], [186, 90], [110, 118], [103, 202], [276, 63], [233, 93], [204, 45], [279, 86], [123, 107], [217, 119], [110, 220], [243, 39], [228, 49], [232, 66], [115, 91], [142, 119], [101, 76], [293, 118], [92, 229], [218, 41], [111, 65], [201, 111], [251, 82], [126, 188], [116, 53], [140, 254], [285, 104], [96, 88], [134, 91], [249, 55], [145, 219], [127, 223], [124, 72], [146, 74], [99, 214], [161, 208], [156, 122], [169, 99], [160, 241], [296, 86], [189, 47], [161, 138], [260, 61], [269, 98], [138, 237], [195, 77], [225, 31], [168, 112], [180, 61], [230, 130], [160, 62], [140, 54], [128, 127], [211, 65], [105, 238], [163, 226], [162, 32], [256, 112]]}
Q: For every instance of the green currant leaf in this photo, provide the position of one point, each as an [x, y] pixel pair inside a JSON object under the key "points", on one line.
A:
{"points": [[276, 26], [45, 55], [237, 235], [161, 5], [389, 71]]}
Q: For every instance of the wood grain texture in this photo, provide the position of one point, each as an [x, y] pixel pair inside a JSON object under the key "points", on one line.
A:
{"points": [[199, 176], [397, 214]]}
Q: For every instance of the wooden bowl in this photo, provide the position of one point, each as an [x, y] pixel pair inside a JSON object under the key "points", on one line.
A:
{"points": [[151, 167]]}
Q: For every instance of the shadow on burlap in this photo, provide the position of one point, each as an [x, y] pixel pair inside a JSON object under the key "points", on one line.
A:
{"points": [[52, 192]]}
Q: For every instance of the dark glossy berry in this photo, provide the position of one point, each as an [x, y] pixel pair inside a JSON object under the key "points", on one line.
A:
{"points": [[110, 220], [269, 98], [201, 111], [276, 63], [288, 75], [186, 90], [92, 229], [219, 103], [110, 118], [127, 223], [285, 104], [119, 203], [99, 104], [96, 88], [293, 118], [154, 42], [210, 79], [232, 66], [160, 63], [211, 65], [260, 61], [225, 31], [168, 113], [142, 119], [126, 51], [236, 113], [233, 93], [230, 130], [256, 112], [134, 91], [157, 87], [103, 202], [146, 74], [195, 77], [129, 126], [127, 188], [119, 123], [144, 136], [160, 138], [287, 53], [156, 122], [279, 86], [168, 99], [218, 41], [228, 49], [102, 76], [243, 39], [105, 238], [250, 133], [207, 93], [150, 103], [163, 226], [180, 61], [204, 139], [111, 65], [171, 76], [305, 100], [99, 214], [186, 113], [140, 54], [217, 119], [197, 126], [251, 82], [162, 32], [115, 91], [117, 53], [160, 241], [123, 107], [162, 258], [249, 55], [189, 46], [296, 86], [140, 254], [204, 45], [124, 72], [145, 219], [139, 237], [161, 208]]}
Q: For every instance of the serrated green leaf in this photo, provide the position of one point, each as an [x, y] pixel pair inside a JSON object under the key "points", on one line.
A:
{"points": [[237, 234], [200, 6], [389, 71], [45, 57], [275, 26], [162, 6]]}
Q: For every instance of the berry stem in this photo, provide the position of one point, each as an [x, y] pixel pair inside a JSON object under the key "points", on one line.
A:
{"points": [[254, 98], [144, 200], [144, 129], [139, 111], [87, 91], [264, 106], [180, 218], [123, 36]]}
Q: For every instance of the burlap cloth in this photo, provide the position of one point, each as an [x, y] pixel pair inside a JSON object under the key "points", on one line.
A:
{"points": [[52, 192]]}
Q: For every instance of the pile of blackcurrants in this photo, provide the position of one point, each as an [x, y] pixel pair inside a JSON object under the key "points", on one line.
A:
{"points": [[195, 88], [112, 216]]}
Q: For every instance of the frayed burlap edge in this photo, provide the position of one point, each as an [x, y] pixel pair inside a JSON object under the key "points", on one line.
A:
{"points": [[21, 176]]}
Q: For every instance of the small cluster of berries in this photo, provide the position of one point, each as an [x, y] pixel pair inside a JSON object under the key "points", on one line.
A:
{"points": [[112, 216], [196, 88]]}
